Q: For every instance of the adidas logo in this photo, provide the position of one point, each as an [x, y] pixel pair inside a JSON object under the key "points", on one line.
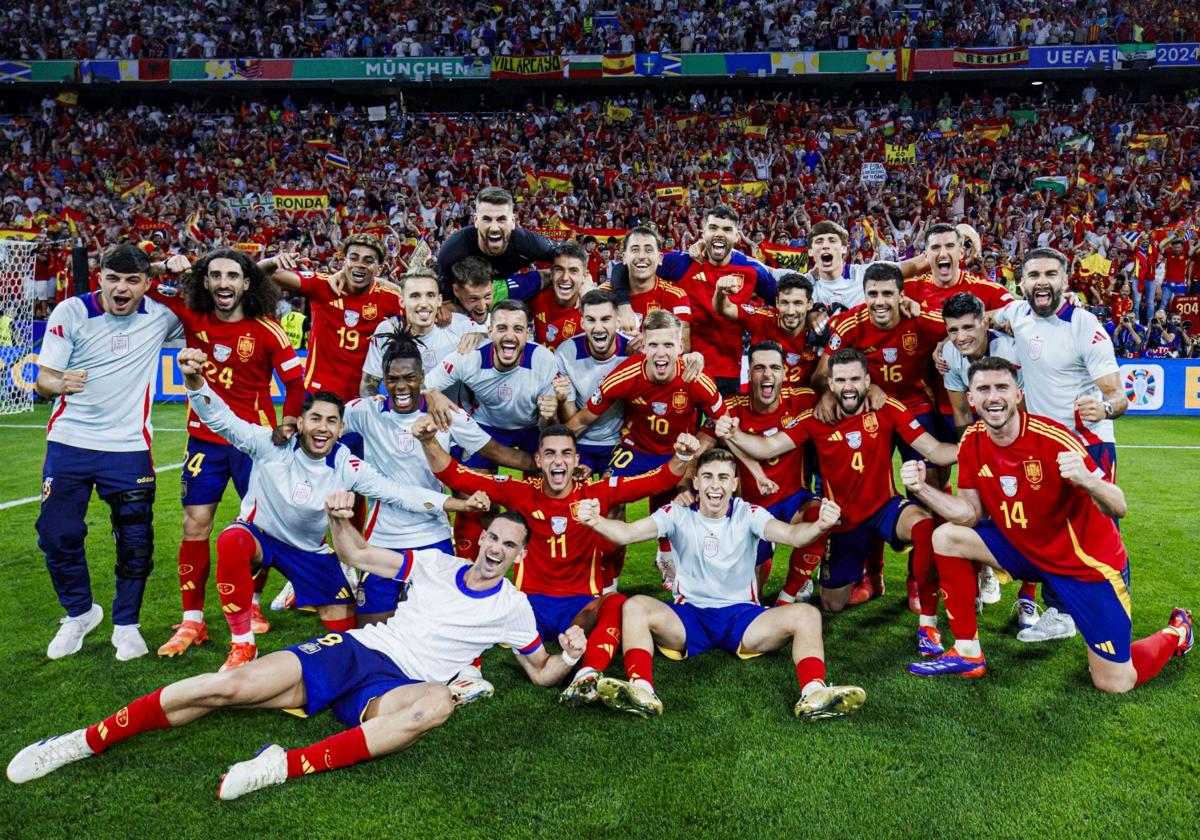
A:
{"points": [[188, 587], [984, 472], [230, 608], [305, 766], [1105, 647], [836, 436]]}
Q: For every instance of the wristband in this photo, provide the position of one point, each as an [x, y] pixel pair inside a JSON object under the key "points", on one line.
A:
{"points": [[684, 458], [569, 660]]}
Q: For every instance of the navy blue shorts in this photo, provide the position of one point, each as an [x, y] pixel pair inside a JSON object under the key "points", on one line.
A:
{"points": [[783, 510], [381, 594], [715, 627], [342, 674], [316, 576], [525, 440], [555, 613], [595, 457], [208, 467], [941, 426], [626, 461], [1101, 609], [1105, 456], [848, 550]]}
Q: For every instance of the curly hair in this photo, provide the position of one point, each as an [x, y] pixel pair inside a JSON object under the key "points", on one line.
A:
{"points": [[258, 301]]}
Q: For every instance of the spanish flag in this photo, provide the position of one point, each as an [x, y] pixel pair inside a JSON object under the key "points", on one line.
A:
{"points": [[555, 181], [1184, 184], [142, 187], [671, 192], [19, 233], [685, 120], [617, 113], [759, 131], [751, 188], [617, 65], [531, 180]]}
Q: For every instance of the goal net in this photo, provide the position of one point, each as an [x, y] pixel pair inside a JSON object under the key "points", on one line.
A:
{"points": [[17, 261]]}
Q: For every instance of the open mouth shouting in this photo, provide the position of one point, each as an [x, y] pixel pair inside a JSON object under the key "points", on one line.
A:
{"points": [[403, 402], [495, 242], [767, 391], [1044, 299], [225, 299], [509, 349], [491, 562], [321, 441], [943, 268], [718, 249]]}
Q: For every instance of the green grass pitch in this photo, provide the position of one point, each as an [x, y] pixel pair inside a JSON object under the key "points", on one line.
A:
{"points": [[1031, 750]]}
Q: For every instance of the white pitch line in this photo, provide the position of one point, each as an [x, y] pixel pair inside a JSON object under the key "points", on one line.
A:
{"points": [[31, 499], [1121, 446], [43, 426]]}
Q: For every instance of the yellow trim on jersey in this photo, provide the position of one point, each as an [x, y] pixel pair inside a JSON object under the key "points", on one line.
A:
{"points": [[895, 403], [665, 284], [1056, 434], [1110, 574], [622, 376], [797, 390], [276, 330]]}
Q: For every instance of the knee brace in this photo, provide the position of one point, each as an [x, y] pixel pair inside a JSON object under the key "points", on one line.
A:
{"points": [[133, 531]]}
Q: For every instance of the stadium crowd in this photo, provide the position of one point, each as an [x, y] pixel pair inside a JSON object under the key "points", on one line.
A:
{"points": [[52, 29]]}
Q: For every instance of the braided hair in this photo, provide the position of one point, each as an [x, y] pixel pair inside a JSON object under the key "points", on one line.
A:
{"points": [[401, 345]]}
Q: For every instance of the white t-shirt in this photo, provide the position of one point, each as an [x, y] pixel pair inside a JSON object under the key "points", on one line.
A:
{"points": [[999, 344], [586, 373], [502, 399], [715, 558], [435, 345]]}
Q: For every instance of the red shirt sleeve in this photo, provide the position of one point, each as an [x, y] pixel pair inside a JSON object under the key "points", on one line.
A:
{"points": [[621, 491], [704, 391], [841, 331], [613, 389], [905, 423], [798, 430], [315, 288], [932, 326], [968, 458], [501, 488]]}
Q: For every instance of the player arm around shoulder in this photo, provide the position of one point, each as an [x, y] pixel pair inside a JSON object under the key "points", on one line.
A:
{"points": [[964, 509], [800, 534], [755, 446]]}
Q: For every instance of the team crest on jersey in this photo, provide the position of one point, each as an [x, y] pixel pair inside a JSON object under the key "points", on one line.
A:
{"points": [[221, 352], [360, 597], [870, 423], [909, 342], [568, 329], [748, 308], [1033, 472], [1008, 483], [711, 545], [245, 346], [679, 401], [793, 359], [835, 341], [659, 408], [427, 357], [558, 524], [310, 647], [120, 344], [1035, 348], [854, 439], [574, 510], [890, 354], [551, 332], [406, 443], [302, 493], [504, 392], [370, 311], [350, 317]]}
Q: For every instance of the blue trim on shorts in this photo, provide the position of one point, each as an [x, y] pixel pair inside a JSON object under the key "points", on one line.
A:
{"points": [[342, 674], [316, 576], [555, 613], [848, 550], [715, 627], [377, 594]]}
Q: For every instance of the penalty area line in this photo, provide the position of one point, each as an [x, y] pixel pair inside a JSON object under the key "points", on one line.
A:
{"points": [[31, 499]]}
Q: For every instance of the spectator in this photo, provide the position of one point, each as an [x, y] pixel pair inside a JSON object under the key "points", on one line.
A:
{"points": [[1128, 336]]}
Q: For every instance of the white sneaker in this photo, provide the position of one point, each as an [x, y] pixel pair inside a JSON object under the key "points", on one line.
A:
{"points": [[269, 767], [46, 756], [989, 587], [1028, 612], [1052, 625], [470, 686], [69, 638], [128, 641], [286, 599], [802, 597]]}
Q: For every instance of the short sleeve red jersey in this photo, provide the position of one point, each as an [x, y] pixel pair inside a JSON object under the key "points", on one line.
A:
{"points": [[341, 333], [899, 357], [931, 296], [563, 557], [788, 469], [662, 295], [546, 310], [1055, 524], [855, 456], [762, 324], [242, 355], [711, 335], [655, 414], [564, 329]]}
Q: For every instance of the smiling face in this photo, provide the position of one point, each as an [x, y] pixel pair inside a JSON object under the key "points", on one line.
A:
{"points": [[994, 396], [883, 303], [501, 545], [599, 323], [319, 428], [968, 334], [362, 265], [557, 458], [475, 300], [403, 382], [828, 255], [226, 283], [642, 258], [944, 252], [494, 224], [661, 349], [1043, 282], [720, 237], [566, 276], [849, 382], [509, 333], [715, 483], [122, 293], [794, 306], [767, 372], [421, 299]]}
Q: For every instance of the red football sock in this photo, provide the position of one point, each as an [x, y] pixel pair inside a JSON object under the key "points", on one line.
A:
{"points": [[874, 564], [958, 585], [340, 750], [924, 568], [1028, 590], [144, 714], [808, 669], [340, 625], [235, 584], [467, 528], [639, 665], [194, 563], [605, 637], [1152, 653], [260, 579]]}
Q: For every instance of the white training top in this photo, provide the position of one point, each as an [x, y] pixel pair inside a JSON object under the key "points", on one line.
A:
{"points": [[999, 344], [435, 345], [121, 357], [502, 399], [389, 446], [715, 558], [846, 292], [586, 373], [443, 626], [287, 490], [1061, 357]]}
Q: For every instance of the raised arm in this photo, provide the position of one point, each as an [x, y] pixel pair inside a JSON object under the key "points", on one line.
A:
{"points": [[722, 305], [350, 546], [964, 509], [1108, 497], [616, 532], [800, 534], [213, 411]]}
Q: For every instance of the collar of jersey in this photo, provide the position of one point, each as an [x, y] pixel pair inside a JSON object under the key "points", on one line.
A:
{"points": [[696, 507], [460, 579]]}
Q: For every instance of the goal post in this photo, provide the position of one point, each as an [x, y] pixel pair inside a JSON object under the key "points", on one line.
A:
{"points": [[18, 259]]}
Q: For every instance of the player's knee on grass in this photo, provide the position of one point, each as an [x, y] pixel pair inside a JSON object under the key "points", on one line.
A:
{"points": [[1112, 677], [835, 600]]}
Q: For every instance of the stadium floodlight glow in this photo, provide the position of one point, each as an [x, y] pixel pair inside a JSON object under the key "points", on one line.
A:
{"points": [[1037, 84]]}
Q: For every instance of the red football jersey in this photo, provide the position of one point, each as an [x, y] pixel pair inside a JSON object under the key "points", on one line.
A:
{"points": [[1053, 523], [546, 310], [564, 557], [899, 357], [662, 295], [711, 335], [241, 358], [855, 456], [931, 296], [341, 333], [566, 327], [788, 469], [762, 324], [656, 414]]}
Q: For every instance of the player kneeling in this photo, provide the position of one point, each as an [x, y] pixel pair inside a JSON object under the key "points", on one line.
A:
{"points": [[386, 681], [716, 594]]}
